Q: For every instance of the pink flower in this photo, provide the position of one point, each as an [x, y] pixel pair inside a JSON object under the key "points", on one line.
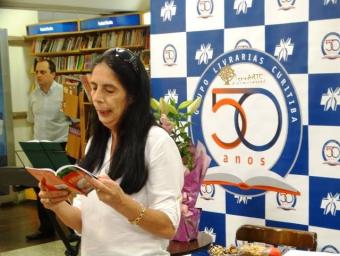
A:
{"points": [[166, 123]]}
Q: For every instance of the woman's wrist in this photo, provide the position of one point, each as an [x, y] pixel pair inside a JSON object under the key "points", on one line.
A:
{"points": [[131, 209], [140, 215], [57, 207]]}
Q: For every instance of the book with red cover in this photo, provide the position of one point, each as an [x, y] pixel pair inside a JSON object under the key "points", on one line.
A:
{"points": [[69, 177]]}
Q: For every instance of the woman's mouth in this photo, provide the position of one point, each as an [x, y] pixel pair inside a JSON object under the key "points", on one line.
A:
{"points": [[103, 112]]}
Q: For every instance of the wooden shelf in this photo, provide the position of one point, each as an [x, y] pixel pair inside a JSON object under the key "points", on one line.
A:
{"points": [[52, 54], [65, 72]]}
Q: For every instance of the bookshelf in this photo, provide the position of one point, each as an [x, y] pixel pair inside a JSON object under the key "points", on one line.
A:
{"points": [[74, 51]]}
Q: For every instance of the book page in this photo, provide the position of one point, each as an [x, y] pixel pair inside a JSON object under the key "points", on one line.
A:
{"points": [[257, 179], [75, 176], [52, 181]]}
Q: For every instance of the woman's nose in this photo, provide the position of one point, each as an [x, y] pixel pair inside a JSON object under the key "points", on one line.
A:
{"points": [[97, 96]]}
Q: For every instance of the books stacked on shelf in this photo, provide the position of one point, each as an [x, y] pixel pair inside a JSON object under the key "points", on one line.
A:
{"points": [[55, 45], [69, 64], [119, 38], [88, 60]]}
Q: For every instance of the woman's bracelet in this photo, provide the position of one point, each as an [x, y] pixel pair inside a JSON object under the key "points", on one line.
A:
{"points": [[139, 217]]}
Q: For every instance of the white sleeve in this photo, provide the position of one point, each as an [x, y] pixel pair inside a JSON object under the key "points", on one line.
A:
{"points": [[166, 175]]}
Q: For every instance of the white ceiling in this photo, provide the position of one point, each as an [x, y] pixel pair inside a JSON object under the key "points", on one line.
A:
{"points": [[97, 7]]}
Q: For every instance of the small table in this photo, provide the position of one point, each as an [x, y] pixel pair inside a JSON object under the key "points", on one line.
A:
{"points": [[203, 241]]}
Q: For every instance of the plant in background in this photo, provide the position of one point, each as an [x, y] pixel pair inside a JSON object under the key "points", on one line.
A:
{"points": [[175, 119]]}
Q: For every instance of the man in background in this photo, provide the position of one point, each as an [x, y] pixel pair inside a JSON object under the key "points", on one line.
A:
{"points": [[49, 123]]}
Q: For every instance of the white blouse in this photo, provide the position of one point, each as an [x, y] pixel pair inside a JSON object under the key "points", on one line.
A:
{"points": [[106, 232]]}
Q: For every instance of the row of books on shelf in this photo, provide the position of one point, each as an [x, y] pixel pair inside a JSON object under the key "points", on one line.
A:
{"points": [[83, 63], [62, 44], [74, 62], [119, 38]]}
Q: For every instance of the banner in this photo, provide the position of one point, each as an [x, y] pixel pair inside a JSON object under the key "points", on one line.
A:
{"points": [[268, 74]]}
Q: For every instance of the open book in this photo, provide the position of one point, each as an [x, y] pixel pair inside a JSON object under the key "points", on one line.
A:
{"points": [[256, 179], [70, 177]]}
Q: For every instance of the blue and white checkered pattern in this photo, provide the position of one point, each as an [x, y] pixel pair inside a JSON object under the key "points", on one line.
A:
{"points": [[304, 36]]}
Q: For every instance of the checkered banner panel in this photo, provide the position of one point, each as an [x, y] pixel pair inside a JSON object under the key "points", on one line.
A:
{"points": [[268, 73]]}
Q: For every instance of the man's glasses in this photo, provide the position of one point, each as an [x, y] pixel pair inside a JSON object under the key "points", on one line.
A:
{"points": [[125, 55]]}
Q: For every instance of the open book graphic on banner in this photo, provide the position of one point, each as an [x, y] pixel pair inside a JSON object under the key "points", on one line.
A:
{"points": [[70, 177], [256, 179]]}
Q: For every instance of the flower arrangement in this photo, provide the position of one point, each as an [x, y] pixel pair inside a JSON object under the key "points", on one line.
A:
{"points": [[175, 120]]}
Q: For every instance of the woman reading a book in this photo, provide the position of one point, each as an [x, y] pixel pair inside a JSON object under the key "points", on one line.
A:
{"points": [[135, 207]]}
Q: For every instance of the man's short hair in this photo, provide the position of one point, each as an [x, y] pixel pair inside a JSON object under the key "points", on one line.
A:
{"points": [[51, 64]]}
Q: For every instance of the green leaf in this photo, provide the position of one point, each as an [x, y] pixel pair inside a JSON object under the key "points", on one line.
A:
{"points": [[194, 106], [172, 109], [154, 104], [156, 115], [163, 106], [185, 104]]}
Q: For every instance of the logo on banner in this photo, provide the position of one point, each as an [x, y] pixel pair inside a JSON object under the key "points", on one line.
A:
{"points": [[331, 99], [168, 10], [286, 4], [240, 199], [210, 231], [286, 201], [241, 6], [331, 204], [205, 8], [242, 44], [207, 192], [169, 55], [250, 122], [329, 248], [327, 2], [284, 49], [171, 94], [331, 152], [330, 45], [204, 54]]}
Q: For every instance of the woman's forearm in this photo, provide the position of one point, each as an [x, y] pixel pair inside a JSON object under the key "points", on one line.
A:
{"points": [[69, 215], [153, 221]]}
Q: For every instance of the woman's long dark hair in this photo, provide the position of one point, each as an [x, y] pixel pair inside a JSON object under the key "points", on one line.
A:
{"points": [[128, 161]]}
